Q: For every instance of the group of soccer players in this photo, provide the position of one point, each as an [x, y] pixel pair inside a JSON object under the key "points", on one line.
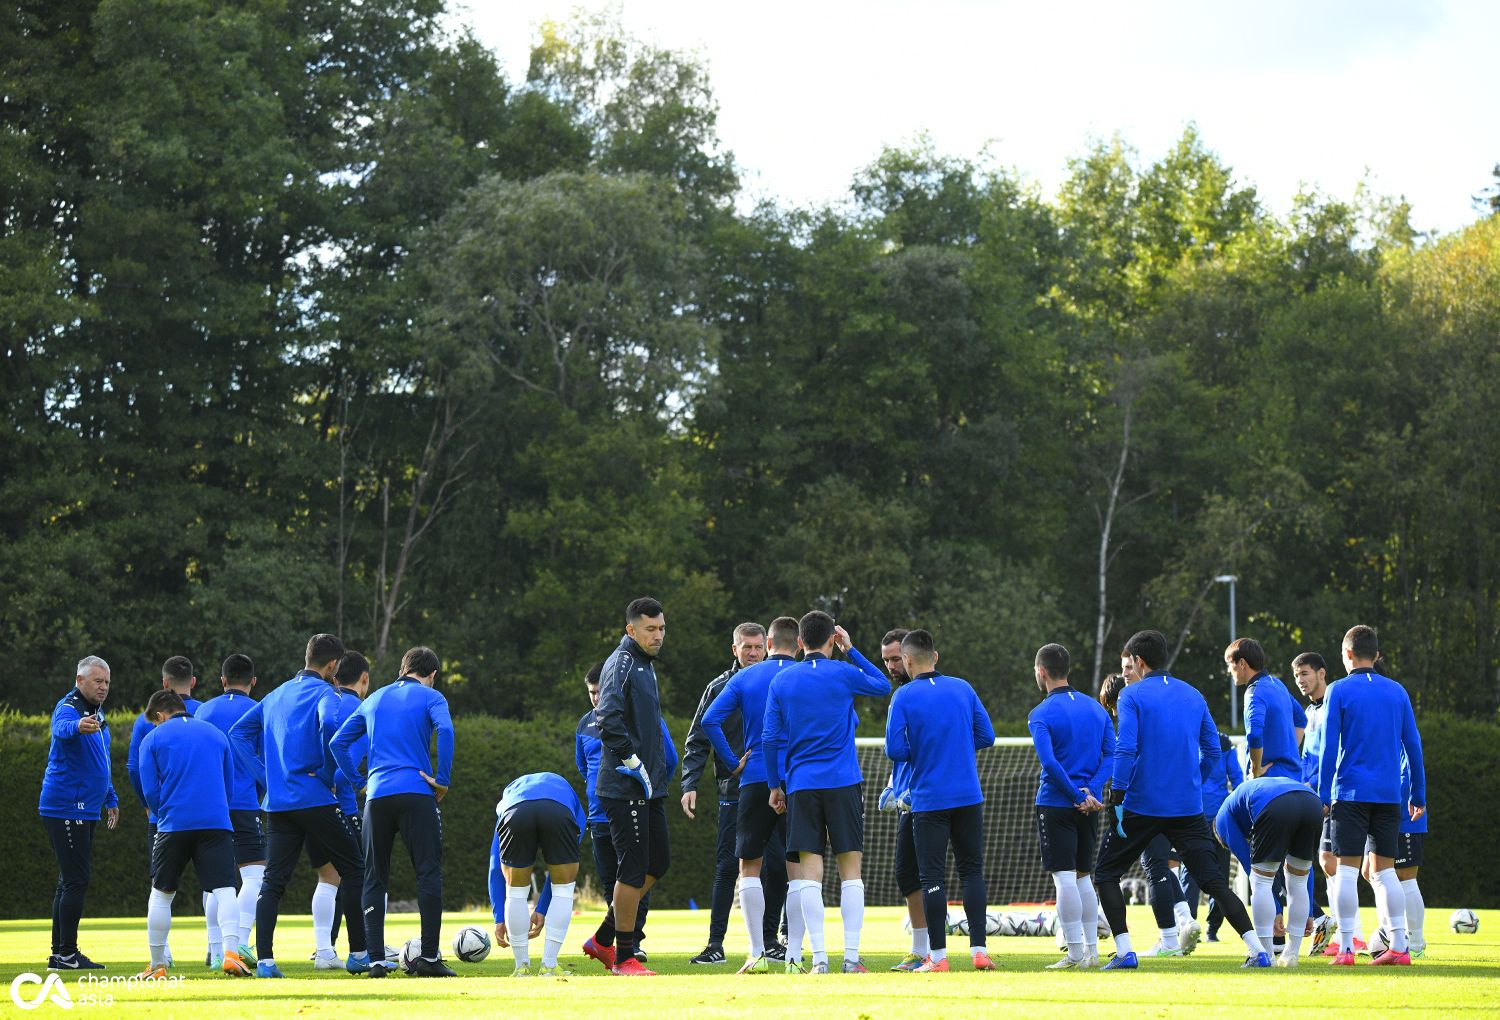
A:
{"points": [[780, 727]]}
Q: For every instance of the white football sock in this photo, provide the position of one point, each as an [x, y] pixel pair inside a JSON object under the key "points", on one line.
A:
{"points": [[559, 913], [1346, 905], [1169, 938], [1263, 904], [324, 897], [1395, 907], [1184, 915], [1253, 943], [939, 955], [852, 909], [812, 918], [1298, 907], [211, 922], [1070, 912], [251, 876], [226, 905], [753, 907], [1122, 944], [158, 925], [921, 944], [518, 923], [1416, 912], [795, 929], [1088, 901]]}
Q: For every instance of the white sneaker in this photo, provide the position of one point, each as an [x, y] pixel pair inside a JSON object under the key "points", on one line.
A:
{"points": [[1189, 936], [1067, 963], [328, 963], [1090, 962], [1160, 949]]}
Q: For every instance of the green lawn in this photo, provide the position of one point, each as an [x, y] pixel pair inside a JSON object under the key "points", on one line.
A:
{"points": [[1458, 975]]}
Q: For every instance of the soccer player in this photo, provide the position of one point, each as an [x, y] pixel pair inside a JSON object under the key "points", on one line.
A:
{"points": [[1310, 672], [176, 676], [1166, 746], [283, 742], [748, 648], [1274, 722], [1408, 862], [402, 796], [929, 717], [809, 728], [897, 797], [237, 675], [188, 780], [75, 786], [1368, 724], [1271, 823], [1075, 742], [632, 784], [331, 901], [760, 832], [539, 814]]}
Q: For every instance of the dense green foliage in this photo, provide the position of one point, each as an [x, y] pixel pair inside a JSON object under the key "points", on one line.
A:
{"points": [[314, 318]]}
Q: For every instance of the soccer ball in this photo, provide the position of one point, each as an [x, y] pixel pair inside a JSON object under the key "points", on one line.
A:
{"points": [[1464, 921], [992, 923], [1048, 919], [957, 923], [410, 953], [471, 944], [1380, 941], [1006, 926]]}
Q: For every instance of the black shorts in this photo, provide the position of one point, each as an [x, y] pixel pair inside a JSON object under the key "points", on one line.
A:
{"points": [[755, 821], [249, 837], [1067, 837], [816, 818], [538, 826], [638, 830], [908, 876], [1409, 849], [1289, 826], [210, 850], [1355, 821], [318, 854], [1325, 844]]}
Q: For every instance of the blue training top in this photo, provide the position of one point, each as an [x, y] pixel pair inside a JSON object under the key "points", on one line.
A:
{"points": [[283, 742], [1227, 775], [929, 718], [138, 731], [1312, 742], [222, 713], [1272, 718], [346, 792], [746, 692], [810, 721], [1235, 820], [1369, 724], [1075, 742], [187, 776], [77, 783], [400, 720], [1166, 747]]}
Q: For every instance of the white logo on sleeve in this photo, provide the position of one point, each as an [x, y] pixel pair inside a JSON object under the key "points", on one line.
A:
{"points": [[52, 987]]}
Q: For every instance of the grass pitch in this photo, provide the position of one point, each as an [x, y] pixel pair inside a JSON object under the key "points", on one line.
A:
{"points": [[1459, 975]]}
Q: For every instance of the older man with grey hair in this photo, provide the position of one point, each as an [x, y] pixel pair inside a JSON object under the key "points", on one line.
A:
{"points": [[75, 788]]}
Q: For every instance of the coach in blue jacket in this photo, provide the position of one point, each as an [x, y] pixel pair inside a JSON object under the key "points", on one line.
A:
{"points": [[75, 787]]}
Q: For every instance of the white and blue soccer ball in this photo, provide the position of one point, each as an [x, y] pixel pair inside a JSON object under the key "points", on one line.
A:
{"points": [[1464, 921], [1380, 941], [471, 944], [410, 953]]}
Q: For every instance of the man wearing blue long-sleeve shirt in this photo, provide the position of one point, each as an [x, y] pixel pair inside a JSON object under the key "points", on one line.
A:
{"points": [[331, 902], [283, 743], [760, 831], [812, 770], [401, 796], [1368, 724], [1274, 722], [1166, 746], [929, 718], [1075, 743], [539, 815]]}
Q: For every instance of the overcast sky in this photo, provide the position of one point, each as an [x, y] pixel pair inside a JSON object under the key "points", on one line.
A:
{"points": [[1288, 92]]}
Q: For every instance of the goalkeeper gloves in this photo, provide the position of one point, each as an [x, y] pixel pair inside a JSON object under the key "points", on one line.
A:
{"points": [[635, 769], [887, 800], [903, 800]]}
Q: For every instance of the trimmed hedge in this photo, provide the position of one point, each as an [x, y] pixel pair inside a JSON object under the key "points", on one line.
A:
{"points": [[1462, 756]]}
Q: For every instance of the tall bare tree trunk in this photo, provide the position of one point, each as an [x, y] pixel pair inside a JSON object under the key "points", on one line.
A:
{"points": [[1106, 530]]}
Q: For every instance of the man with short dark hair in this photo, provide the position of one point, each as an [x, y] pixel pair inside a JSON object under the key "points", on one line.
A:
{"points": [[1273, 720], [937, 724], [812, 771], [897, 797], [237, 675], [760, 833], [1166, 747], [632, 784], [283, 741], [187, 781], [1075, 744], [1310, 672], [1369, 725], [75, 787], [402, 796], [331, 901]]}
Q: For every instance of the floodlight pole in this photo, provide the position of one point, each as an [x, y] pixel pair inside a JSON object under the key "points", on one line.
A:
{"points": [[1234, 702]]}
